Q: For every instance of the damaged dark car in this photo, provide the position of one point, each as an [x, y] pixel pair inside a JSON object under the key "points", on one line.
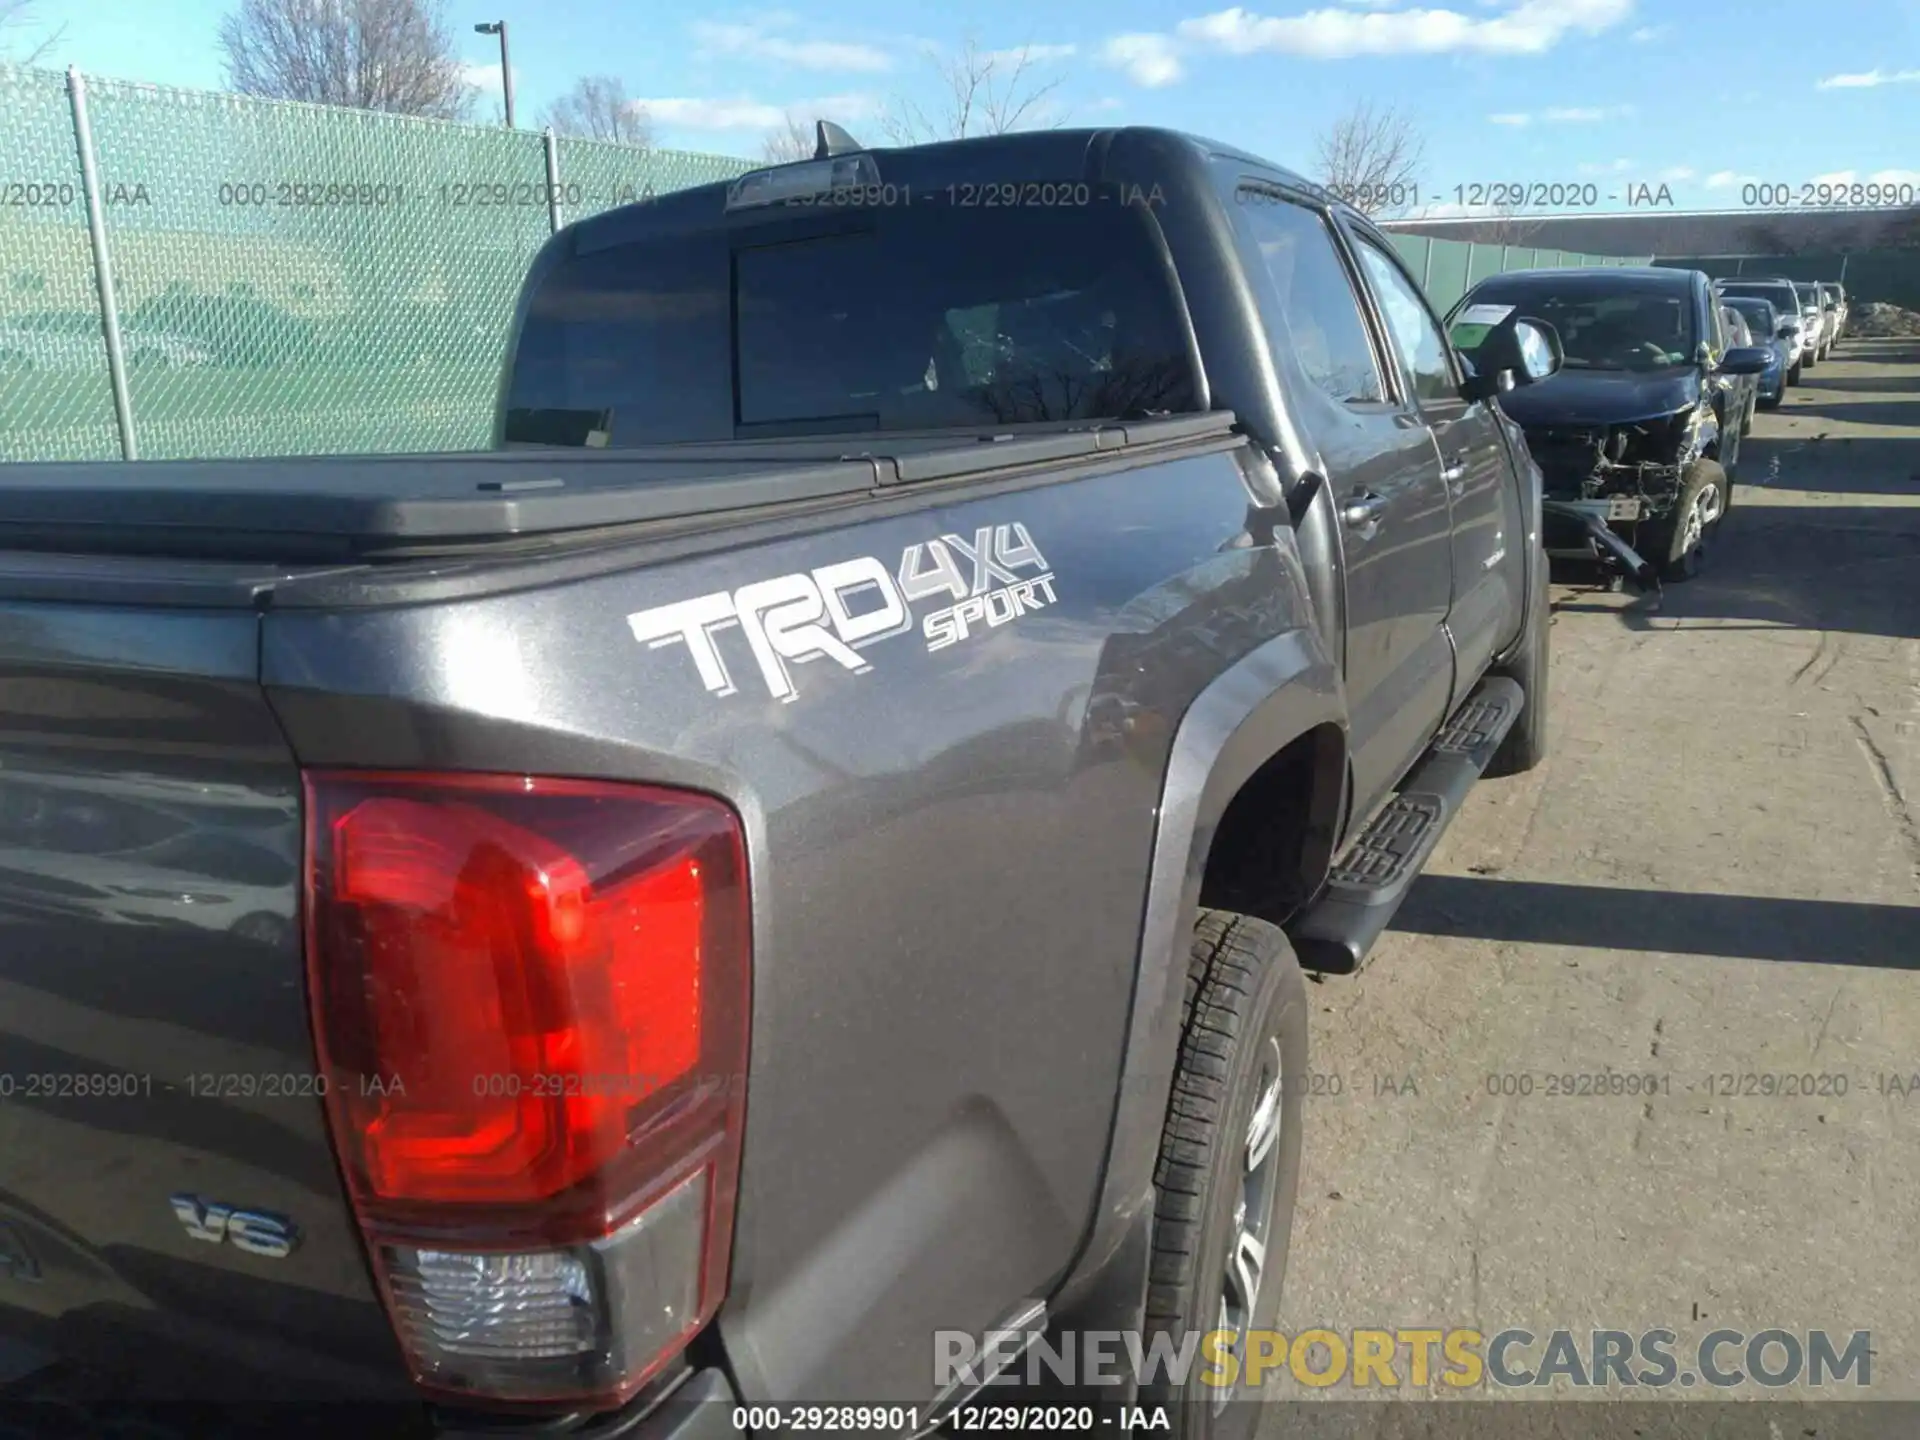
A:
{"points": [[1635, 434]]}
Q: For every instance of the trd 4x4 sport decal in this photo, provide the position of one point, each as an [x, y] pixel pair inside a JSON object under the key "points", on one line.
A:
{"points": [[811, 613]]}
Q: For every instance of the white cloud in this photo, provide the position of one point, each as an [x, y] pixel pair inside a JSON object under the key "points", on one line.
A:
{"points": [[1648, 32], [1521, 27], [1371, 4], [1149, 60], [1894, 177], [1564, 115], [1868, 79], [1528, 28], [745, 113], [1836, 177], [1032, 54], [1727, 179], [758, 42], [485, 75]]}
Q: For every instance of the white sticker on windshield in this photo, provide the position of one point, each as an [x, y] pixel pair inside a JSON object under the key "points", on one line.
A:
{"points": [[1483, 315]]}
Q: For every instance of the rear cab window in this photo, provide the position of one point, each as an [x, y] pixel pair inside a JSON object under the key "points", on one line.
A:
{"points": [[924, 315]]}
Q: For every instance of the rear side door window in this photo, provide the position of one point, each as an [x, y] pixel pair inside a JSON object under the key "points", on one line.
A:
{"points": [[1415, 332], [1315, 297]]}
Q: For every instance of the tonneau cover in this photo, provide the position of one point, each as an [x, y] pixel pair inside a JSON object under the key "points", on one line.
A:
{"points": [[350, 506]]}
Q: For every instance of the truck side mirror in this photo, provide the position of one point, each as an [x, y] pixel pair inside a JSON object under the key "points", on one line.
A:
{"points": [[1514, 350]]}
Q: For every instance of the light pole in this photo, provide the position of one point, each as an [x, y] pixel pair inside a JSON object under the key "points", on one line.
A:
{"points": [[499, 27]]}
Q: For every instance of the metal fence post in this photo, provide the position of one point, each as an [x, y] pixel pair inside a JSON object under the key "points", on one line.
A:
{"points": [[1426, 266], [102, 264], [1469, 264], [553, 179]]}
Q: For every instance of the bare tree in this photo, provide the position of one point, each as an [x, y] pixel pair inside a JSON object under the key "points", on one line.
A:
{"points": [[1505, 226], [394, 55], [791, 141], [1371, 158], [598, 108], [23, 51], [982, 92]]}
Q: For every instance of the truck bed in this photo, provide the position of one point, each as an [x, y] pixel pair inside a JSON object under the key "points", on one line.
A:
{"points": [[345, 508], [180, 644]]}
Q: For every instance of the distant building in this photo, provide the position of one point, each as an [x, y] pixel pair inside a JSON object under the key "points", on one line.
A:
{"points": [[1664, 233]]}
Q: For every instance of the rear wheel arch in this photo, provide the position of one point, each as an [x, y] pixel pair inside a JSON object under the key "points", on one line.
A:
{"points": [[1284, 699], [1276, 835]]}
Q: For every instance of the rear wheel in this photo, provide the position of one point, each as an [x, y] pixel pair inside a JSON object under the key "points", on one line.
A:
{"points": [[1678, 544], [1229, 1165], [1793, 375]]}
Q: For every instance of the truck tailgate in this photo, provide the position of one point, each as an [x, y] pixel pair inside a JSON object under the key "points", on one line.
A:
{"points": [[156, 1065]]}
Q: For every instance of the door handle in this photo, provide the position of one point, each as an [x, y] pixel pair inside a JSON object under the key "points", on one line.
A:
{"points": [[1363, 512], [1456, 471]]}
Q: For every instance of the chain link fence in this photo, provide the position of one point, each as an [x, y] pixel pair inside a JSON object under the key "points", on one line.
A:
{"points": [[288, 279]]}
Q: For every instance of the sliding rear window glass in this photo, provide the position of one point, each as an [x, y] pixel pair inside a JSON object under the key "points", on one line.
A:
{"points": [[922, 316]]}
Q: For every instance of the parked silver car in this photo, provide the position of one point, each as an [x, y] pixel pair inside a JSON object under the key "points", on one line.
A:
{"points": [[1813, 318]]}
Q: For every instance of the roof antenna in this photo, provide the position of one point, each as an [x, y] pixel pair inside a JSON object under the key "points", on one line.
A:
{"points": [[831, 140]]}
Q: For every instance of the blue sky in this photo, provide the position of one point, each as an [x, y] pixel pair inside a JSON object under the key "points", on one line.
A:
{"points": [[1704, 96]]}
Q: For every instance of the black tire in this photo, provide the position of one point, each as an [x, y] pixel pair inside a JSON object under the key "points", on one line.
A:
{"points": [[1526, 743], [1793, 375], [1243, 1039], [1666, 541], [1774, 402]]}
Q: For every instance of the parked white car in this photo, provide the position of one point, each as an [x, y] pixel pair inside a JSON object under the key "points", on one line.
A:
{"points": [[1836, 296], [61, 340]]}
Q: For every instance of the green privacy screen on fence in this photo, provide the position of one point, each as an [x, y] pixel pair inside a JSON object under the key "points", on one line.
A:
{"points": [[1449, 268], [1891, 276], [289, 278]]}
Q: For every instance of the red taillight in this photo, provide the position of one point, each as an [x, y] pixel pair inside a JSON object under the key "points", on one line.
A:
{"points": [[530, 1004]]}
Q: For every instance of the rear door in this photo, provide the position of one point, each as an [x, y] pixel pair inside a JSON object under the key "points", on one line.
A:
{"points": [[1487, 595], [1384, 473]]}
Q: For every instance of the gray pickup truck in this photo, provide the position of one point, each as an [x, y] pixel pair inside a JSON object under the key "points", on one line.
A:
{"points": [[806, 848]]}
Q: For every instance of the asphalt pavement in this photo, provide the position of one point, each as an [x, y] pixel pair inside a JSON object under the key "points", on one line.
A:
{"points": [[1712, 887]]}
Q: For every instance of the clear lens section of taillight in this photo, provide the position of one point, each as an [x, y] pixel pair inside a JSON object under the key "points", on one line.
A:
{"points": [[530, 1004], [554, 1322]]}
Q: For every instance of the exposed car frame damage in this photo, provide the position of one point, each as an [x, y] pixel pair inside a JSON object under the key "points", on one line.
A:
{"points": [[1604, 484]]}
